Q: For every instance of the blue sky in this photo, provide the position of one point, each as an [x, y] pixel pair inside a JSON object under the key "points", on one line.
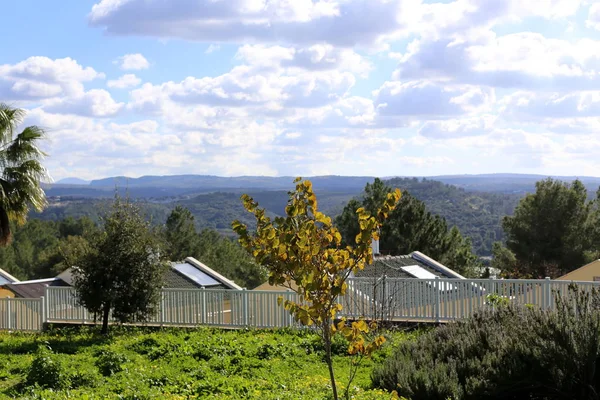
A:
{"points": [[308, 87]]}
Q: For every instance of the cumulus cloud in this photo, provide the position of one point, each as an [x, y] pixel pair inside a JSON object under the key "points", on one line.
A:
{"points": [[245, 86], [457, 128], [124, 82], [593, 20], [38, 78], [528, 106], [343, 23], [520, 60], [94, 103], [132, 62], [430, 99]]}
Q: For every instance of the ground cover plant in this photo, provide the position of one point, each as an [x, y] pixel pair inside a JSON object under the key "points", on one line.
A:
{"points": [[178, 364]]}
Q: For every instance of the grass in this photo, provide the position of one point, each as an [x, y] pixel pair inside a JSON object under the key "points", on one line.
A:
{"points": [[177, 364]]}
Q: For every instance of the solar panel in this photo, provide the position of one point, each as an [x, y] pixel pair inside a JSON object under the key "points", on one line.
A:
{"points": [[421, 273], [196, 275]]}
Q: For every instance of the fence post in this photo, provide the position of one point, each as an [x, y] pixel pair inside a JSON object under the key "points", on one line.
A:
{"points": [[245, 306], [162, 307], [203, 291], [8, 313], [384, 303], [548, 291], [46, 304], [436, 288], [42, 312]]}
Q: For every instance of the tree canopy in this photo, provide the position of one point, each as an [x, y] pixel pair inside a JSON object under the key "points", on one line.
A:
{"points": [[122, 269], [220, 253], [410, 227], [553, 231]]}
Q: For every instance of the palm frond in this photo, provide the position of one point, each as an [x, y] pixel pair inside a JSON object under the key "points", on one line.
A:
{"points": [[10, 117], [24, 147]]}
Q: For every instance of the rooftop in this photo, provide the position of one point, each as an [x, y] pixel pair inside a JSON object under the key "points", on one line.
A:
{"points": [[5, 277], [413, 265]]}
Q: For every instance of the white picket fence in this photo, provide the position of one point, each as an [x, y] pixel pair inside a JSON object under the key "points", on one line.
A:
{"points": [[384, 299]]}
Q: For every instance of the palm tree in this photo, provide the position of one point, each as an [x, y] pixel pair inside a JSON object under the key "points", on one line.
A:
{"points": [[21, 170]]}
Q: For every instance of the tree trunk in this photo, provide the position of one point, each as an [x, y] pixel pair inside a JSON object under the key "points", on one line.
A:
{"points": [[105, 313], [328, 360]]}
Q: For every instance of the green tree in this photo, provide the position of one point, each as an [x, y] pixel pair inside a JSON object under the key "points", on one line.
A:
{"points": [[180, 234], [552, 230], [210, 247], [122, 270], [303, 251], [230, 259], [22, 170], [411, 227]]}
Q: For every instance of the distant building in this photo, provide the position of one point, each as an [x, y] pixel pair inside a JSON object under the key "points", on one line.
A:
{"points": [[414, 265], [32, 289], [6, 278], [588, 273], [188, 274]]}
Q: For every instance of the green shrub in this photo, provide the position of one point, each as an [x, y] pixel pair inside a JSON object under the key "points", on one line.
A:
{"points": [[46, 371], [510, 353], [110, 362]]}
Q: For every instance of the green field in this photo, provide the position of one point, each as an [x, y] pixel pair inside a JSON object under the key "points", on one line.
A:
{"points": [[178, 364]]}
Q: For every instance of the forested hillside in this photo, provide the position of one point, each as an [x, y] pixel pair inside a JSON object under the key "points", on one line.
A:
{"points": [[476, 214]]}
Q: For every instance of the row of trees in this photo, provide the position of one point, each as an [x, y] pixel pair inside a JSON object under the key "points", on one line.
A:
{"points": [[42, 249]]}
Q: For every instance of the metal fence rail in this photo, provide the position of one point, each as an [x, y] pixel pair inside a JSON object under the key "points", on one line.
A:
{"points": [[383, 299], [21, 314]]}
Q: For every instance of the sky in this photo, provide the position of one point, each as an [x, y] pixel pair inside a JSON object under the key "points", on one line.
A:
{"points": [[307, 87]]}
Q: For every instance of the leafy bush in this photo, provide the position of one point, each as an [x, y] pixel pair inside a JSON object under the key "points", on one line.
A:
{"points": [[110, 362], [46, 371], [511, 353]]}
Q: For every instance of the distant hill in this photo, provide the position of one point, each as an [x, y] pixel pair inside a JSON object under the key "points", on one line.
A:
{"points": [[474, 203], [73, 181], [158, 187], [509, 183]]}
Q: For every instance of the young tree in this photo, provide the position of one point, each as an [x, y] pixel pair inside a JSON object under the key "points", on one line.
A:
{"points": [[303, 251], [122, 269], [21, 173]]}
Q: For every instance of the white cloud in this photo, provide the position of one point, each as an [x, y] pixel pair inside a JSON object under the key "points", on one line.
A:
{"points": [[244, 86], [593, 20], [520, 60], [456, 128], [124, 82], [132, 62], [212, 48], [529, 106], [345, 23], [94, 103], [38, 78], [418, 99]]}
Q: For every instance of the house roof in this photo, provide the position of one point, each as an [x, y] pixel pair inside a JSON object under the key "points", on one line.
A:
{"points": [[212, 277], [5, 277], [402, 267], [189, 274], [589, 272], [34, 288]]}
